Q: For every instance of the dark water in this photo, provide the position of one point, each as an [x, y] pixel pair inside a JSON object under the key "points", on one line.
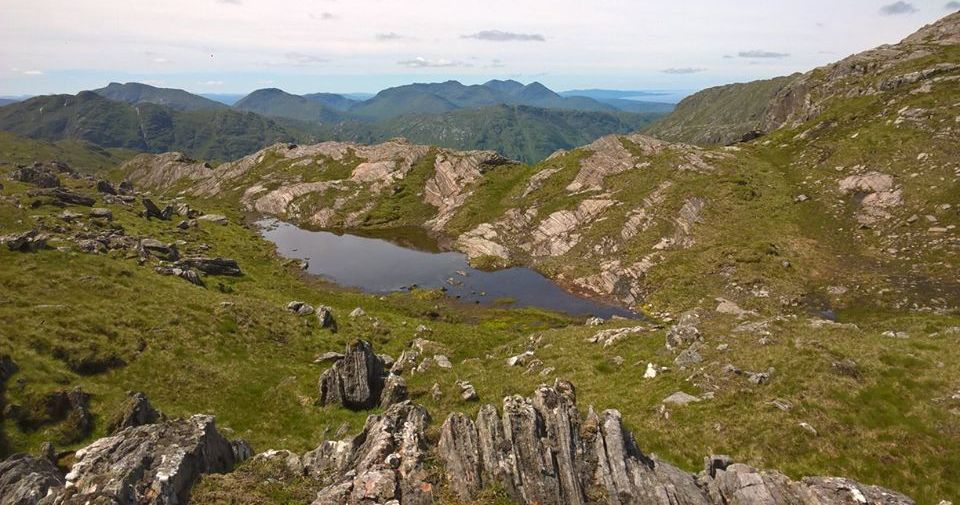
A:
{"points": [[381, 265]]}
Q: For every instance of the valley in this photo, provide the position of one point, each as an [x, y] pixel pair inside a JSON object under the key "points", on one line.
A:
{"points": [[706, 309]]}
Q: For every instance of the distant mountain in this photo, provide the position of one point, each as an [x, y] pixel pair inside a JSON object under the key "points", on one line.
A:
{"points": [[722, 114], [437, 98], [520, 132], [273, 102], [335, 101], [137, 93], [209, 133], [638, 106], [224, 98]]}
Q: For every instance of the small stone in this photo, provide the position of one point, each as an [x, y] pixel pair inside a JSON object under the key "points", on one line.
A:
{"points": [[467, 391], [300, 308], [357, 312], [594, 321], [442, 361], [435, 392], [214, 218], [520, 359], [809, 429], [651, 372], [325, 317], [101, 213], [680, 398]]}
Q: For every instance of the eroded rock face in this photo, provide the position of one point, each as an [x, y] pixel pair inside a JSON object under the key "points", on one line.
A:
{"points": [[384, 462], [150, 464], [875, 193], [454, 173], [356, 381], [26, 480], [540, 451]]}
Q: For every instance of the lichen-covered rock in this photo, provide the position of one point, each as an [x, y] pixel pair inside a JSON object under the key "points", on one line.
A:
{"points": [[26, 480], [394, 390], [385, 462], [541, 451], [356, 381], [150, 464]]}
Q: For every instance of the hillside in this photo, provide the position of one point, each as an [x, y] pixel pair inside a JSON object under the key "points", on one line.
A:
{"points": [[210, 133], [805, 282], [723, 114], [135, 93], [277, 103]]}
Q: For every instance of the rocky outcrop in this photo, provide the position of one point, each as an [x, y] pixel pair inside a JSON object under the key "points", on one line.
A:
{"points": [[36, 174], [135, 411], [358, 380], [28, 241], [211, 266], [454, 173], [541, 451], [609, 157], [26, 480], [150, 464], [875, 193], [164, 171]]}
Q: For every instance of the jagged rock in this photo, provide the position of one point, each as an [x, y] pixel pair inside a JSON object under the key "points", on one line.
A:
{"points": [[151, 210], [135, 411], [300, 308], [28, 241], [211, 266], [394, 391], [150, 464], [385, 462], [325, 317], [356, 381], [460, 452], [26, 480], [153, 247], [214, 218], [105, 187], [100, 213]]}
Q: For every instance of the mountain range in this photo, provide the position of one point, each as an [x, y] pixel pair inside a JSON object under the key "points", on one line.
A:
{"points": [[525, 122]]}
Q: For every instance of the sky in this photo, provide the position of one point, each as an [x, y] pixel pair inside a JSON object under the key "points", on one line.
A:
{"points": [[303, 46]]}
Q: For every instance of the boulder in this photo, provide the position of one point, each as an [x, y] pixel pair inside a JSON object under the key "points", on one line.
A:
{"points": [[28, 241], [520, 359], [155, 248], [26, 480], [37, 175], [152, 211], [106, 188], [63, 196], [300, 308], [214, 218], [356, 381], [149, 464], [325, 317], [468, 393], [394, 391], [685, 332], [135, 411], [101, 213], [680, 398], [211, 266]]}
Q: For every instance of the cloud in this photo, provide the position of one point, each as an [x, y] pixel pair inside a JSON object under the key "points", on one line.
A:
{"points": [[897, 8], [230, 2], [952, 6], [501, 36], [420, 62], [303, 60], [387, 37], [761, 54], [32, 72], [211, 83], [494, 63], [683, 70], [324, 16]]}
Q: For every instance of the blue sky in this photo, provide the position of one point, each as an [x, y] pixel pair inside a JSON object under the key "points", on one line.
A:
{"points": [[235, 46]]}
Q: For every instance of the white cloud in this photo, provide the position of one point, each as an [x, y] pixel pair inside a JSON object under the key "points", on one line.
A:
{"points": [[421, 62], [32, 72], [897, 8], [756, 53], [211, 84], [683, 70], [501, 36]]}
